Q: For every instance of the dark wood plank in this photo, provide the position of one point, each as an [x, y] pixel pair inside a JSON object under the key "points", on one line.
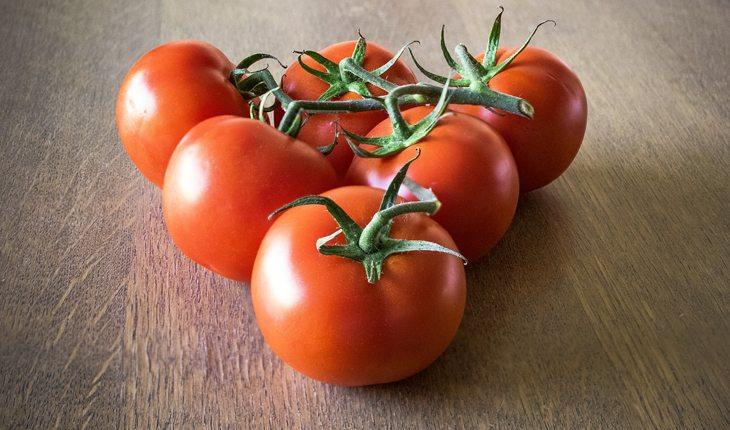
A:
{"points": [[606, 305], [68, 194]]}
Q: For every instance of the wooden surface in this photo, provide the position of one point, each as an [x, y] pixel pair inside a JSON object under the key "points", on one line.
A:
{"points": [[605, 306]]}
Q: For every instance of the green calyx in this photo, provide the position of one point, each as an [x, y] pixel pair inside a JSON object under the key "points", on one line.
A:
{"points": [[404, 134], [476, 75], [253, 83], [339, 77], [371, 245], [260, 84]]}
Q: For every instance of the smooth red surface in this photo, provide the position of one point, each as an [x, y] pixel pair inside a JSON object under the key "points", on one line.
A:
{"points": [[469, 168], [166, 93], [320, 315], [319, 129], [545, 145], [226, 176]]}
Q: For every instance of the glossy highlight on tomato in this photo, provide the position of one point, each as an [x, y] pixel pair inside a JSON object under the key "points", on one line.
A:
{"points": [[321, 316], [468, 166], [226, 176], [319, 129], [167, 92], [544, 146]]}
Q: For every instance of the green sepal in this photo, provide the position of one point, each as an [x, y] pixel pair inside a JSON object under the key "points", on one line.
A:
{"points": [[490, 54], [254, 90], [254, 58], [331, 75], [394, 246], [391, 193], [349, 250], [385, 67], [348, 226], [438, 78], [327, 149], [249, 87], [358, 54], [341, 80], [445, 51], [499, 67], [372, 245]]}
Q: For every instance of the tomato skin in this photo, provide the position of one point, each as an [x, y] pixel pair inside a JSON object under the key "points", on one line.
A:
{"points": [[319, 129], [320, 315], [167, 91], [469, 168], [545, 145], [226, 176]]}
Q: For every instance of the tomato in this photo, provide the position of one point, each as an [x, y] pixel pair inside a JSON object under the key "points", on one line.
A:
{"points": [[321, 316], [545, 145], [168, 91], [319, 129], [225, 177], [469, 168]]}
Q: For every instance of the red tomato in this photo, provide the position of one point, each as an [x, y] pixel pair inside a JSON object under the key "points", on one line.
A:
{"points": [[168, 91], [321, 316], [319, 129], [545, 145], [226, 176], [469, 168]]}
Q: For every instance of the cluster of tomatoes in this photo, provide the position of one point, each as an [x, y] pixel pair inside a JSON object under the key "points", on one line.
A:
{"points": [[355, 286]]}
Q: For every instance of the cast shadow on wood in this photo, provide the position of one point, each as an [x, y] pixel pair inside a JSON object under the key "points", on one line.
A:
{"points": [[504, 291]]}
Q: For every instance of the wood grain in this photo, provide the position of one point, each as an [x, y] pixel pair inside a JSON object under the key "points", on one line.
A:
{"points": [[605, 306]]}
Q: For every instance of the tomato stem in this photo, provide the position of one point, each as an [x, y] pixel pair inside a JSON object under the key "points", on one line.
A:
{"points": [[471, 68], [369, 237], [411, 95], [357, 70]]}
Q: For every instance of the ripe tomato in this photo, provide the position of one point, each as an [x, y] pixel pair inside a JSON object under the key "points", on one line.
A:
{"points": [[469, 168], [319, 129], [545, 145], [226, 176], [168, 91], [321, 316]]}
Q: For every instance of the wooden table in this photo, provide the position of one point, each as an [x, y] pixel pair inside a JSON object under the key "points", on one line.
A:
{"points": [[605, 306]]}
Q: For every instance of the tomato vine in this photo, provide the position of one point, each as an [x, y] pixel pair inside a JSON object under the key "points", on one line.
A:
{"points": [[469, 88]]}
